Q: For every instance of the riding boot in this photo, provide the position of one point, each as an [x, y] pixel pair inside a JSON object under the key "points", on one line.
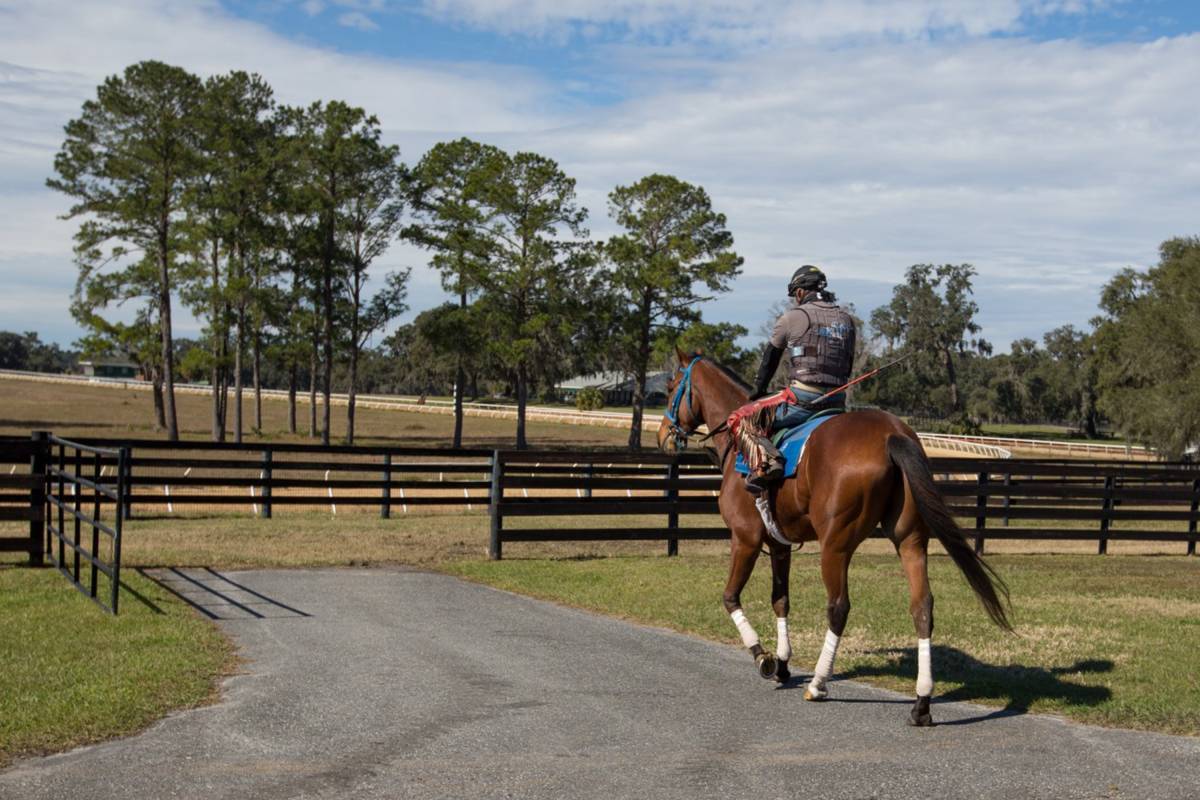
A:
{"points": [[769, 466]]}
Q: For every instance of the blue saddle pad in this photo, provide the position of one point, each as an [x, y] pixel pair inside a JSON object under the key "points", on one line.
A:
{"points": [[790, 442]]}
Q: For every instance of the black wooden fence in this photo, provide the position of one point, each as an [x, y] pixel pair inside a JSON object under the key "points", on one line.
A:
{"points": [[1014, 499], [165, 476], [22, 495], [546, 495]]}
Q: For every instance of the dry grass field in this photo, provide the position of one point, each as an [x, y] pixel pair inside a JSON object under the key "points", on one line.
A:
{"points": [[108, 411]]}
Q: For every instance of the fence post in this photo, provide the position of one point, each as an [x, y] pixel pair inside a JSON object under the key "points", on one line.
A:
{"points": [[1007, 497], [265, 495], [587, 477], [125, 474], [61, 561], [97, 493], [1106, 512], [385, 508], [672, 495], [38, 540], [981, 499], [1191, 548], [78, 526], [495, 548], [122, 489]]}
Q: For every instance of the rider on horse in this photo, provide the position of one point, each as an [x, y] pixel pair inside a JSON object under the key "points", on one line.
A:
{"points": [[819, 337]]}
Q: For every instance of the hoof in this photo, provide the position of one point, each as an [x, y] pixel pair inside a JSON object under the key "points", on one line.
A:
{"points": [[920, 717], [768, 665], [782, 673], [815, 693]]}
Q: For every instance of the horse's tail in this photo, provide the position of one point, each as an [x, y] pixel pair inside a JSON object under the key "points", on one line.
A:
{"points": [[987, 584]]}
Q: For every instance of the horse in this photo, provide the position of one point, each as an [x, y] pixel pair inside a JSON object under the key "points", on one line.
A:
{"points": [[860, 470]]}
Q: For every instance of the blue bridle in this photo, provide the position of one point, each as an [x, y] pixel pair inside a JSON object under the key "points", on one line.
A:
{"points": [[672, 412]]}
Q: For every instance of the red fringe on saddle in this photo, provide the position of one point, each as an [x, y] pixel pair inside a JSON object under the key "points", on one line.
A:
{"points": [[753, 420]]}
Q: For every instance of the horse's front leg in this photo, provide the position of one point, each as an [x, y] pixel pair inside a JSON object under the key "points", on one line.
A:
{"points": [[741, 564], [781, 568]]}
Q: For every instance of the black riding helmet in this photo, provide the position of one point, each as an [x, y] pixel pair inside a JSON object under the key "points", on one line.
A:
{"points": [[807, 277]]}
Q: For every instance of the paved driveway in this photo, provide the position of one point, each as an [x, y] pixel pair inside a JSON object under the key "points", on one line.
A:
{"points": [[397, 684]]}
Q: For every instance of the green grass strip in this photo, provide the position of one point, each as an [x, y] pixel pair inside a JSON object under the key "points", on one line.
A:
{"points": [[71, 674], [1111, 640]]}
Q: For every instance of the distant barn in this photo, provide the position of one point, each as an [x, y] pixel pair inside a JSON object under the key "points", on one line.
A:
{"points": [[111, 367], [617, 387]]}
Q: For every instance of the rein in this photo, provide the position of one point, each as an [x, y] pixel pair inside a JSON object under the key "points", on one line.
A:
{"points": [[672, 412], [681, 436]]}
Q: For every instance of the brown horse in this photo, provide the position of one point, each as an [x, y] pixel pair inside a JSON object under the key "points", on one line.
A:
{"points": [[860, 470]]}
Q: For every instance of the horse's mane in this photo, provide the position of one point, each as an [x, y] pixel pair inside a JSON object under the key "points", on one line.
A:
{"points": [[728, 371]]}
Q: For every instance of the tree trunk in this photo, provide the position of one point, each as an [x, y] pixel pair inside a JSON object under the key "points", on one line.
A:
{"points": [[168, 344], [160, 422], [951, 378], [352, 389], [460, 374], [352, 393], [460, 379], [327, 377], [312, 390], [639, 390], [1089, 413], [224, 396], [327, 252], [237, 374], [218, 339], [218, 429], [522, 399], [257, 367], [292, 378]]}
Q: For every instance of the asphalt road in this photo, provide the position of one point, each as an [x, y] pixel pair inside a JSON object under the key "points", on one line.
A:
{"points": [[397, 684]]}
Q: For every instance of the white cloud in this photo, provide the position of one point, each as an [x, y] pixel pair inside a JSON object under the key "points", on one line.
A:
{"points": [[751, 21], [55, 52], [357, 20], [1046, 164]]}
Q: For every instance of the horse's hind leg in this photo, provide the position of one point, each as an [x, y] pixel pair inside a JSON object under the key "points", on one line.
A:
{"points": [[835, 567], [913, 556], [781, 567]]}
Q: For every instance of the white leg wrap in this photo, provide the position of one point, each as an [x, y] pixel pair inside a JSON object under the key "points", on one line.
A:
{"points": [[749, 637], [924, 669], [783, 644], [825, 663]]}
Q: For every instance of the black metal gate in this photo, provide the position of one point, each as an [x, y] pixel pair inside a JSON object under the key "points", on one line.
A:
{"points": [[84, 486]]}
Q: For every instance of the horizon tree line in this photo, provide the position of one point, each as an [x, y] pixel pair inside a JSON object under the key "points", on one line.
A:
{"points": [[264, 220]]}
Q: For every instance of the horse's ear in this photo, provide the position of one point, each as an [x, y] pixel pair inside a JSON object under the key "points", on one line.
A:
{"points": [[682, 356]]}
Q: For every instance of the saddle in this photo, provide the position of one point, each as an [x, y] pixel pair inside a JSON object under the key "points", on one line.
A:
{"points": [[791, 441]]}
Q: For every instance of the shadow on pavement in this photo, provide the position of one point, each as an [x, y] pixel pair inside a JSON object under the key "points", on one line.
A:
{"points": [[1015, 685], [217, 596]]}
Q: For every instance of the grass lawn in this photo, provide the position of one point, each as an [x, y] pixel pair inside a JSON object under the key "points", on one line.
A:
{"points": [[71, 674], [1032, 431], [1109, 640]]}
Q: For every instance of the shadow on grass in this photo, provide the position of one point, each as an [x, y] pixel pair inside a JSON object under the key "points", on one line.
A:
{"points": [[1015, 685]]}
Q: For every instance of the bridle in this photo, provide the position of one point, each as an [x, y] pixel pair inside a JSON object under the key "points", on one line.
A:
{"points": [[672, 413]]}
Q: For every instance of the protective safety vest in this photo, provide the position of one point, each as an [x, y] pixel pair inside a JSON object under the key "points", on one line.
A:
{"points": [[823, 354]]}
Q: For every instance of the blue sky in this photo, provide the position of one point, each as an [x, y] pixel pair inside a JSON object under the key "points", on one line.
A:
{"points": [[1047, 142]]}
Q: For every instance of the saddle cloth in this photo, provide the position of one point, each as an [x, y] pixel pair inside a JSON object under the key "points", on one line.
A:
{"points": [[791, 442]]}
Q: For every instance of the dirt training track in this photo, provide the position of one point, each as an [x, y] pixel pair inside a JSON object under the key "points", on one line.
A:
{"points": [[391, 683]]}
